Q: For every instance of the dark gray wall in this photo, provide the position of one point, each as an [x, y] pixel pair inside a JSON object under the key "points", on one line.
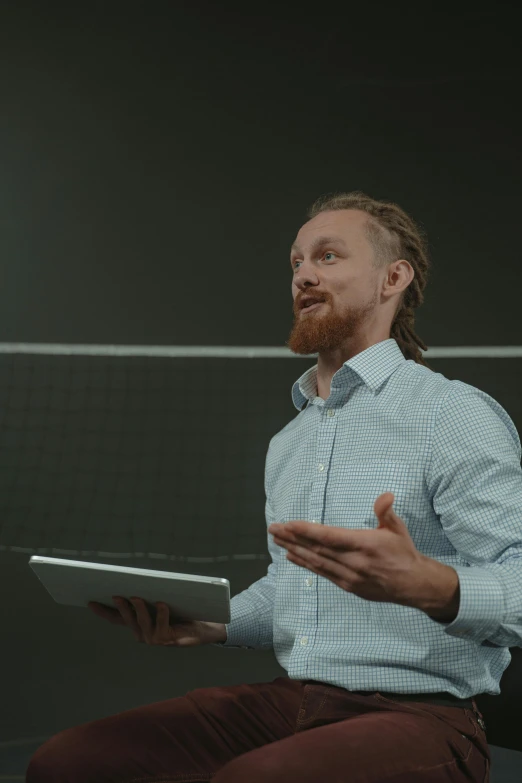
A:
{"points": [[156, 162], [157, 159]]}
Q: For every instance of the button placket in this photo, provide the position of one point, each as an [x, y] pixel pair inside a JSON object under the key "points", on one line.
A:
{"points": [[309, 580]]}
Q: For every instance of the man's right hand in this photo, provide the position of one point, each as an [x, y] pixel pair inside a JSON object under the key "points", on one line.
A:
{"points": [[135, 614]]}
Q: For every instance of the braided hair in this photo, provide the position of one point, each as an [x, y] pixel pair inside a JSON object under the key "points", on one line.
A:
{"points": [[393, 235]]}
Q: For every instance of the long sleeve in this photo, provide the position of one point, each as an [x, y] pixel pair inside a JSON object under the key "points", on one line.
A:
{"points": [[476, 480], [252, 610]]}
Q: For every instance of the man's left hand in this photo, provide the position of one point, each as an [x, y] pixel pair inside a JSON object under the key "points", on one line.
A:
{"points": [[382, 564]]}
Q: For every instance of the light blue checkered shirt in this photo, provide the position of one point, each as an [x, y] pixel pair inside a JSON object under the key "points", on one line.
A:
{"points": [[451, 456]]}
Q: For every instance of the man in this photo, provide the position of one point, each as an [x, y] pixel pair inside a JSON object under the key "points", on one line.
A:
{"points": [[393, 510]]}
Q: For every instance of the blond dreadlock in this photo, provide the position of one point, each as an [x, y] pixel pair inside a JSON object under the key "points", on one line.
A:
{"points": [[393, 235]]}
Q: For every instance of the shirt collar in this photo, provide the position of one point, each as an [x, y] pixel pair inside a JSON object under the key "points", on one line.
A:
{"points": [[372, 366]]}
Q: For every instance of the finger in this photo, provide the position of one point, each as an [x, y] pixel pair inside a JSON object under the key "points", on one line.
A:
{"points": [[331, 569], [308, 559], [305, 548], [106, 612], [332, 537], [124, 607], [162, 632], [143, 618], [337, 575], [297, 539], [302, 545]]}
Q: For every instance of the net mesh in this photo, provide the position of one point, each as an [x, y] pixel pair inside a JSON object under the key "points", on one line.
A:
{"points": [[138, 460], [131, 458]]}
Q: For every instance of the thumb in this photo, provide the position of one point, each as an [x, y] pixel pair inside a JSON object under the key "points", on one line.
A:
{"points": [[383, 508]]}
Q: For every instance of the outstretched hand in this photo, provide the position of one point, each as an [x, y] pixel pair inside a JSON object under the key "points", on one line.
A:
{"points": [[379, 565]]}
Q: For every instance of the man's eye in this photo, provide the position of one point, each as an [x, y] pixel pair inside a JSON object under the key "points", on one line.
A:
{"points": [[328, 253]]}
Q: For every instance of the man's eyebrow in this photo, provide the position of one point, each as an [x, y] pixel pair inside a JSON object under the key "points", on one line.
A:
{"points": [[320, 242]]}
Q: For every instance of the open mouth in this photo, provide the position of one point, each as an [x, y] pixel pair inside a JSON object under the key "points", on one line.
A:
{"points": [[311, 307]]}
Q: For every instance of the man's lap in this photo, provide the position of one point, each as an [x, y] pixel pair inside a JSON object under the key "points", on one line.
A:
{"points": [[377, 741], [288, 728]]}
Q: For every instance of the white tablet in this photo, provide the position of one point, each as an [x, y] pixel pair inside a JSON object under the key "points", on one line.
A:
{"points": [[188, 597]]}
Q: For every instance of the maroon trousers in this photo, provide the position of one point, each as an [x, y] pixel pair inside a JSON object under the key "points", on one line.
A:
{"points": [[284, 731]]}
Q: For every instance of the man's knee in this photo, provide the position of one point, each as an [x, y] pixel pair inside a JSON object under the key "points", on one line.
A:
{"points": [[61, 759], [257, 766]]}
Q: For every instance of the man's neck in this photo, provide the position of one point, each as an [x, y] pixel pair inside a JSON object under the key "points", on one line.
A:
{"points": [[323, 388], [328, 365]]}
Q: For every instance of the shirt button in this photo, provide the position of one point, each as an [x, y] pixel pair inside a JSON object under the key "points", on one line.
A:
{"points": [[331, 412], [309, 581], [304, 641], [321, 467]]}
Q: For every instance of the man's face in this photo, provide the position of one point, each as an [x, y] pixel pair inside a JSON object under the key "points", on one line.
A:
{"points": [[340, 272]]}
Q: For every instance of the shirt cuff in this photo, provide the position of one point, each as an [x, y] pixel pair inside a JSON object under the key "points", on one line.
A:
{"points": [[249, 628], [481, 606]]}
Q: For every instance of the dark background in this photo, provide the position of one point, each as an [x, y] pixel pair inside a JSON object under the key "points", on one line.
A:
{"points": [[156, 163]]}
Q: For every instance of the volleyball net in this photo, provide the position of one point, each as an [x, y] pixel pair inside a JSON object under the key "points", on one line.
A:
{"points": [[129, 453]]}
